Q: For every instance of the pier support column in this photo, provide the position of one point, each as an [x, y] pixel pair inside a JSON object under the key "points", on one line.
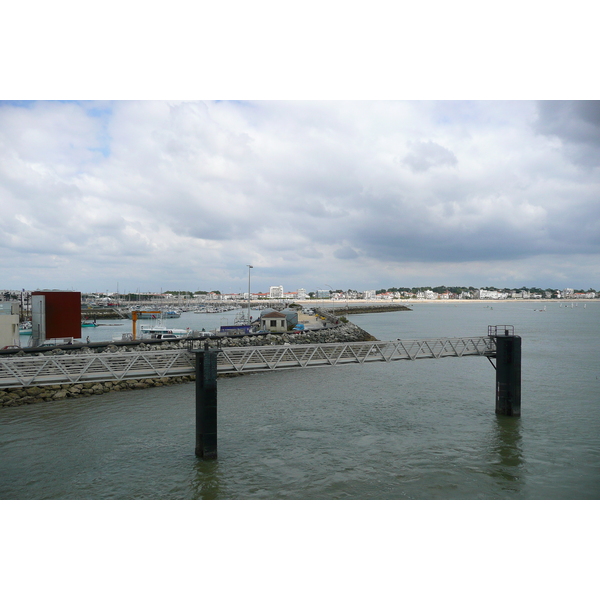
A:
{"points": [[508, 375], [206, 403]]}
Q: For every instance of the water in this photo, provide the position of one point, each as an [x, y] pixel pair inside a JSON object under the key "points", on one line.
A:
{"points": [[405, 430]]}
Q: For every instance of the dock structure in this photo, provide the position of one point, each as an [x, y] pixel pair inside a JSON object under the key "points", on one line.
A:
{"points": [[270, 358], [53, 369], [500, 344]]}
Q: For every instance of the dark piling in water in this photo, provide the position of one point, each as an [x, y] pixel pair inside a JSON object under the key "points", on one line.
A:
{"points": [[508, 375], [206, 403]]}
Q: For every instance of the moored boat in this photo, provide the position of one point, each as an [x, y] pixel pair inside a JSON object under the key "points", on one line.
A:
{"points": [[25, 328], [162, 333], [153, 314]]}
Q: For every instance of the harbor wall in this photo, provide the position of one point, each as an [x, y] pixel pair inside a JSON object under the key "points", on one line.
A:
{"points": [[361, 310], [334, 332]]}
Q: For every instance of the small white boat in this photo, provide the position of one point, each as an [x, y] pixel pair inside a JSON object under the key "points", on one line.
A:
{"points": [[25, 328], [242, 319], [163, 333]]}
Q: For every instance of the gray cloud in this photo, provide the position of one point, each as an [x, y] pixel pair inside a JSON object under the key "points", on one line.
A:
{"points": [[345, 253], [425, 155], [572, 120], [577, 124]]}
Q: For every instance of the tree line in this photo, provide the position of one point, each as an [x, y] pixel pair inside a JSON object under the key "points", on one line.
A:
{"points": [[441, 289]]}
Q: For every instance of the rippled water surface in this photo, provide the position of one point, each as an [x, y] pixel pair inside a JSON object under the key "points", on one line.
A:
{"points": [[405, 430]]}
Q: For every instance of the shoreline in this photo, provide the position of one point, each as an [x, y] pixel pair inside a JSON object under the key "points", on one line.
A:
{"points": [[341, 303]]}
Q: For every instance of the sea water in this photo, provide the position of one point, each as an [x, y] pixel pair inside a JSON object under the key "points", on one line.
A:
{"points": [[422, 429]]}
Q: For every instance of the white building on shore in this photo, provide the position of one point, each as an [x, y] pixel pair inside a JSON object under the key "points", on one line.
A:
{"points": [[491, 295], [276, 291], [427, 295], [524, 294]]}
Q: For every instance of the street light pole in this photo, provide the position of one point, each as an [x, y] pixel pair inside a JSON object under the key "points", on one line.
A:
{"points": [[249, 267], [332, 300]]}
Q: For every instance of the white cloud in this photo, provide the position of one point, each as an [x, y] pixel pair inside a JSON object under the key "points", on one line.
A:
{"points": [[368, 194]]}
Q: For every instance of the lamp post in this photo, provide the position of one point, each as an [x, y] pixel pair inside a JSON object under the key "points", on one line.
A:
{"points": [[249, 267], [332, 300]]}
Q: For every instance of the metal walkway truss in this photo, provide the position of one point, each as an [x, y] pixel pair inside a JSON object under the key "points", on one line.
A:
{"points": [[81, 368], [268, 358]]}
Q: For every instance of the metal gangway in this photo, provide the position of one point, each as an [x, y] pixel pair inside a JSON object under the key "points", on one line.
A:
{"points": [[55, 369]]}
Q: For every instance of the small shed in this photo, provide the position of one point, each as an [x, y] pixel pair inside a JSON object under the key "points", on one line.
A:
{"points": [[273, 321], [9, 324]]}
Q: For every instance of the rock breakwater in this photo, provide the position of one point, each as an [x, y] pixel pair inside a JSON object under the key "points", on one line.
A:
{"points": [[49, 393]]}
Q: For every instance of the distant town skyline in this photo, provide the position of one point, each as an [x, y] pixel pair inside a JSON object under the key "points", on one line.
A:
{"points": [[345, 194], [280, 291]]}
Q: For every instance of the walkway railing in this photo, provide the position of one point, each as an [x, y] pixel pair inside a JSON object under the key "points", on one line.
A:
{"points": [[79, 368], [268, 358]]}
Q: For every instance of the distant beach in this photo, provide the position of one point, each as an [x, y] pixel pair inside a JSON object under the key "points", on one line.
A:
{"points": [[323, 301]]}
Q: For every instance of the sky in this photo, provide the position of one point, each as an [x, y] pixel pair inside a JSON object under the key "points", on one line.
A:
{"points": [[350, 162], [151, 195]]}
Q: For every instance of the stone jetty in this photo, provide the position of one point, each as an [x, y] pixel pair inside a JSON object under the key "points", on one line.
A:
{"points": [[370, 308]]}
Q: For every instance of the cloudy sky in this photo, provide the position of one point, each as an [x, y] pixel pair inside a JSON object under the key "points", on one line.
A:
{"points": [[349, 194]]}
